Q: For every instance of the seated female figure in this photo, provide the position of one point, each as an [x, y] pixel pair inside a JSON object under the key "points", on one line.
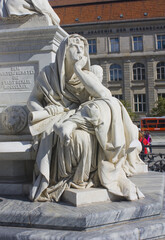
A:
{"points": [[87, 137]]}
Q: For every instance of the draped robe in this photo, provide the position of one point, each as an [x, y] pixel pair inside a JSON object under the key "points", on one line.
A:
{"points": [[28, 7], [104, 149]]}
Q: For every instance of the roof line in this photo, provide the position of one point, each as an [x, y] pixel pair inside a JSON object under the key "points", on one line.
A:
{"points": [[57, 5], [113, 22]]}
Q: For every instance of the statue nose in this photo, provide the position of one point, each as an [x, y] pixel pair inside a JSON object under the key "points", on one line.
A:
{"points": [[78, 49]]}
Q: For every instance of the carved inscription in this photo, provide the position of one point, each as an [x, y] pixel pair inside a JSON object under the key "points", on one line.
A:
{"points": [[120, 30], [17, 78]]}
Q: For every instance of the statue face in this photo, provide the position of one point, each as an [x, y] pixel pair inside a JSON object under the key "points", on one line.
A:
{"points": [[75, 50]]}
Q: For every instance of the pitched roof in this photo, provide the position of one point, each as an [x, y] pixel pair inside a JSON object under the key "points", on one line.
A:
{"points": [[86, 11]]}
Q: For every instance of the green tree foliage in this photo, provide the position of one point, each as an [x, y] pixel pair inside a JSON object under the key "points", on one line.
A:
{"points": [[159, 110], [132, 115]]}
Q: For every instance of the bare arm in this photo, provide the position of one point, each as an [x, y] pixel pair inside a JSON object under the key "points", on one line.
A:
{"points": [[90, 81]]}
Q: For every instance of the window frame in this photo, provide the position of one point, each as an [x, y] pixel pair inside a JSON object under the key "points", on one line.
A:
{"points": [[161, 48], [133, 43], [118, 96], [140, 103], [116, 71], [139, 71], [161, 71], [110, 45], [92, 46], [160, 95]]}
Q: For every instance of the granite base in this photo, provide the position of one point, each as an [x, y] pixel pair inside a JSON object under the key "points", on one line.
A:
{"points": [[141, 219]]}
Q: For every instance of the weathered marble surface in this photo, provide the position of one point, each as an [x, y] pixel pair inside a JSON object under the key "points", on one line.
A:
{"points": [[81, 128], [27, 45], [28, 51], [15, 186], [21, 212], [19, 8], [78, 197], [17, 163], [137, 229]]}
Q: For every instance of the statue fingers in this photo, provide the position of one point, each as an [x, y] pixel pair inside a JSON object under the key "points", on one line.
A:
{"points": [[51, 109]]}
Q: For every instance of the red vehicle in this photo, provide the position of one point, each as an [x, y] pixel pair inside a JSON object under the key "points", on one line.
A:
{"points": [[152, 124]]}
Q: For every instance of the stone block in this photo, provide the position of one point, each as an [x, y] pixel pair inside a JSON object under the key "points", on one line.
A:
{"points": [[26, 21], [64, 216], [27, 45], [24, 52], [17, 164], [16, 151], [141, 219], [78, 197], [15, 188]]}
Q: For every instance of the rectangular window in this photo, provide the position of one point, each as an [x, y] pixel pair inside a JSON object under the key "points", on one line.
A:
{"points": [[114, 45], [138, 43], [160, 70], [161, 95], [160, 42], [92, 46], [118, 96], [158, 73], [139, 102]]}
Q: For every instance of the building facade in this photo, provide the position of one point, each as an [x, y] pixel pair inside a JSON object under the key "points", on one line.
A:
{"points": [[127, 38]]}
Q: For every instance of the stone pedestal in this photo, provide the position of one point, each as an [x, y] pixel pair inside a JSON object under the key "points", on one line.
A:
{"points": [[24, 52], [79, 197], [141, 219], [27, 44]]}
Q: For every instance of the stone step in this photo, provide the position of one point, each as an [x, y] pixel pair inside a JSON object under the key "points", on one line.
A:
{"points": [[20, 212], [144, 230], [16, 188], [22, 219], [16, 150]]}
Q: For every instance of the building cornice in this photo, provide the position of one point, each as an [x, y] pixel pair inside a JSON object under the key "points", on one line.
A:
{"points": [[66, 3], [113, 22]]}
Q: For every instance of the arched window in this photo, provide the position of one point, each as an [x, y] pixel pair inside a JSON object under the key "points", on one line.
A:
{"points": [[138, 71], [161, 70], [115, 72]]}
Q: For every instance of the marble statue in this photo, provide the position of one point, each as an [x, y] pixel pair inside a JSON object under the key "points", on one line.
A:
{"points": [[10, 8], [84, 137]]}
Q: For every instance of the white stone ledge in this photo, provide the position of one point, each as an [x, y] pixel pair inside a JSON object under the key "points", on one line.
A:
{"points": [[78, 197], [11, 147], [18, 150]]}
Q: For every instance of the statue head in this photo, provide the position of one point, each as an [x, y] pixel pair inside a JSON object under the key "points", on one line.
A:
{"points": [[76, 48], [70, 50]]}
